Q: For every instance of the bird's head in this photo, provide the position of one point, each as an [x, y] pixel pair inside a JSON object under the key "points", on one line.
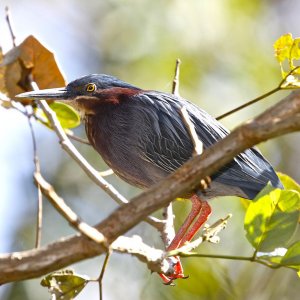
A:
{"points": [[88, 92]]}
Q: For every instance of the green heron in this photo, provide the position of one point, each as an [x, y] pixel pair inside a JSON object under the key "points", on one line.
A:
{"points": [[140, 134]]}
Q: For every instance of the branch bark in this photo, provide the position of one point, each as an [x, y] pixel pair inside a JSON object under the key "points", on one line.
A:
{"points": [[281, 119], [60, 205]]}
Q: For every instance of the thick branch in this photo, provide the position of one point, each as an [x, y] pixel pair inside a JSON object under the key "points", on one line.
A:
{"points": [[280, 119]]}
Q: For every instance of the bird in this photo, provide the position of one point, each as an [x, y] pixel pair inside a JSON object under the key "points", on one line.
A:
{"points": [[141, 136]]}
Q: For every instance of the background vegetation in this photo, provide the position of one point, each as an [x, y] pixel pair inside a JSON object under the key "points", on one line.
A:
{"points": [[227, 58]]}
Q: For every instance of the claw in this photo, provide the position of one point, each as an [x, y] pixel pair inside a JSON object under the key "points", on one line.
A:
{"points": [[196, 218], [177, 272], [169, 283], [166, 280]]}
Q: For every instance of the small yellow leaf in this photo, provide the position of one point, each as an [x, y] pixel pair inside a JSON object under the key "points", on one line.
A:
{"points": [[295, 50], [283, 47]]}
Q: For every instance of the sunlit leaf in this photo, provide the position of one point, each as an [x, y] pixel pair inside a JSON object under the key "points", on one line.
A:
{"points": [[292, 256], [288, 49], [288, 182], [272, 219], [295, 49], [64, 284], [283, 47], [265, 191], [30, 58], [66, 114]]}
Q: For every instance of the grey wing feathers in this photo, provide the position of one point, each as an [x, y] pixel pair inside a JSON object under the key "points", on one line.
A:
{"points": [[170, 145]]}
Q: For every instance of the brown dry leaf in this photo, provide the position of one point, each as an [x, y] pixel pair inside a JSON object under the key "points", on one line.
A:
{"points": [[30, 58], [2, 84], [4, 100]]}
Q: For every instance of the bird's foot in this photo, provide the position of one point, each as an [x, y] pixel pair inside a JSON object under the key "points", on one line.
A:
{"points": [[178, 272]]}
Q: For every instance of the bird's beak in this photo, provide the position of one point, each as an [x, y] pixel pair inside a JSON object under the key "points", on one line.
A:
{"points": [[48, 94]]}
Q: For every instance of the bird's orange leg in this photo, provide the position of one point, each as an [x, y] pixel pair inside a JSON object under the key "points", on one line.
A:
{"points": [[200, 209], [196, 209], [204, 214]]}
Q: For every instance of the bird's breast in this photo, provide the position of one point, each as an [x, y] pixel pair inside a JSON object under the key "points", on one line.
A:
{"points": [[118, 140]]}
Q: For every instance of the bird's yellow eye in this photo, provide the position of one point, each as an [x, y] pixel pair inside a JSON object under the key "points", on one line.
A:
{"points": [[91, 87]]}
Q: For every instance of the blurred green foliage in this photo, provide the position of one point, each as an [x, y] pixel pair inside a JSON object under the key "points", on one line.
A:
{"points": [[227, 58]]}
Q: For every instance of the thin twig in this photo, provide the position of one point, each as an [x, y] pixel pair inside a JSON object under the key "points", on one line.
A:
{"points": [[209, 234], [39, 223], [37, 167], [198, 145], [281, 86], [78, 139], [60, 205], [232, 257], [69, 133], [100, 279], [106, 173], [248, 103], [10, 27], [168, 232], [175, 86]]}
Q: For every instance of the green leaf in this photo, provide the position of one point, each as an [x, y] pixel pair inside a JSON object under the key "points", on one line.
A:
{"points": [[272, 219], [283, 47], [64, 284], [288, 182], [265, 191], [292, 256], [67, 115]]}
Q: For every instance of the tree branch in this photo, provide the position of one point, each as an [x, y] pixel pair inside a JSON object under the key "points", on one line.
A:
{"points": [[168, 231], [281, 119], [60, 205]]}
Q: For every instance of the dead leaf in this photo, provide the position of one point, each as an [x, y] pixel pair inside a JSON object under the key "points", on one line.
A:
{"points": [[29, 60], [2, 85]]}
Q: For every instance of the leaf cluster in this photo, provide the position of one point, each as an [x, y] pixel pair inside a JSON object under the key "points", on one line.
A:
{"points": [[271, 222], [287, 53]]}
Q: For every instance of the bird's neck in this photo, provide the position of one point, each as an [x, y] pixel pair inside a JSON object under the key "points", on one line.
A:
{"points": [[104, 100]]}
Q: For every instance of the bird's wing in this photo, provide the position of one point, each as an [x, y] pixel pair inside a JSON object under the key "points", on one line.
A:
{"points": [[169, 145]]}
